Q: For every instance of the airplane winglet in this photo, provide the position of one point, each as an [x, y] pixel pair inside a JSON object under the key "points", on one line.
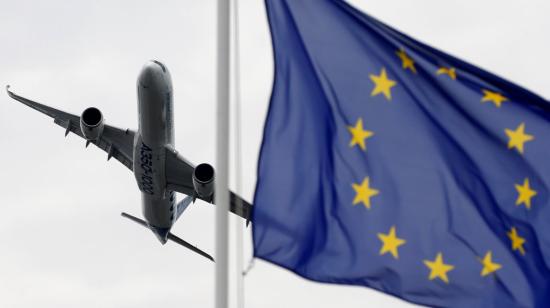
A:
{"points": [[10, 93]]}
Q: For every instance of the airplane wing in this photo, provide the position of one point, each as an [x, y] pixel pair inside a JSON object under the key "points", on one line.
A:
{"points": [[116, 142], [179, 177], [119, 144]]}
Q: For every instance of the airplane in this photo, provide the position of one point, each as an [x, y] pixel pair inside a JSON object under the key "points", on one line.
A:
{"points": [[149, 153]]}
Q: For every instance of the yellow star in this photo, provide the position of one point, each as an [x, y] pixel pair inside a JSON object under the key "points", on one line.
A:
{"points": [[390, 243], [438, 269], [363, 193], [518, 137], [494, 97], [407, 61], [451, 71], [525, 193], [488, 265], [517, 241], [358, 134], [382, 84]]}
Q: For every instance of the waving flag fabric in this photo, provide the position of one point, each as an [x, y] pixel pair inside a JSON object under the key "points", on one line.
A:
{"points": [[389, 164]]}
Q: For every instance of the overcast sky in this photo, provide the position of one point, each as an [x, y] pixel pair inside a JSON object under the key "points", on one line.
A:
{"points": [[62, 240]]}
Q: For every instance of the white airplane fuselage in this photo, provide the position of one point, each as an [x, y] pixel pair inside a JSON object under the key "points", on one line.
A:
{"points": [[155, 133]]}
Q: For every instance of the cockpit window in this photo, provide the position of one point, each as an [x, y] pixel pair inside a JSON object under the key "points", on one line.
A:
{"points": [[161, 65]]}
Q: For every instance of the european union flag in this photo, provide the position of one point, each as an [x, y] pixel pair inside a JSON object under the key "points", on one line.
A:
{"points": [[389, 164]]}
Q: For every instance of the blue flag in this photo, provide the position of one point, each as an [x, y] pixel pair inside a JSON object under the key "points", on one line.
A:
{"points": [[389, 164]]}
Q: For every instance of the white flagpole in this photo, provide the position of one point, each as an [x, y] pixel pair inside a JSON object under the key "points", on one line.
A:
{"points": [[237, 96], [222, 156]]}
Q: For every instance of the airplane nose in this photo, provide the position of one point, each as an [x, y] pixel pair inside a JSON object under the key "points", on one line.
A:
{"points": [[152, 74], [147, 75]]}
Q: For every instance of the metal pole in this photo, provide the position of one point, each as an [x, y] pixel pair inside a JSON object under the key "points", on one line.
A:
{"points": [[222, 156], [238, 154]]}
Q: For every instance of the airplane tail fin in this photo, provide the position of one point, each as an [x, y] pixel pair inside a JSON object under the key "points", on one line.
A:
{"points": [[171, 237], [182, 206]]}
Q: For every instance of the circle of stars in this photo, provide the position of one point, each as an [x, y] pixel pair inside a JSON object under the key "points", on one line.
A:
{"points": [[390, 242]]}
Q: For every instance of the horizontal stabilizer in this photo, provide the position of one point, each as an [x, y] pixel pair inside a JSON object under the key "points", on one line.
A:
{"points": [[183, 243], [135, 219], [171, 236]]}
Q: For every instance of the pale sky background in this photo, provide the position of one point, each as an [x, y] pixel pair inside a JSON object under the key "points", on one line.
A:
{"points": [[62, 240]]}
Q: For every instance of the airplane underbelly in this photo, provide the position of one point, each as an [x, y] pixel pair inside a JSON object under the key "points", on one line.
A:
{"points": [[157, 203], [158, 212], [155, 132]]}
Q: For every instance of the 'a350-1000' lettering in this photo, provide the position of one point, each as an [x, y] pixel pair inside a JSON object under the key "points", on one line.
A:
{"points": [[146, 159]]}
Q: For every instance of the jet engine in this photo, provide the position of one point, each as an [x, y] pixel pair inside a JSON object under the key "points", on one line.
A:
{"points": [[203, 181], [91, 123]]}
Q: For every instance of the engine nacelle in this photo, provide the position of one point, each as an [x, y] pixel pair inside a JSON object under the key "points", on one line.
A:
{"points": [[91, 123], [203, 181]]}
